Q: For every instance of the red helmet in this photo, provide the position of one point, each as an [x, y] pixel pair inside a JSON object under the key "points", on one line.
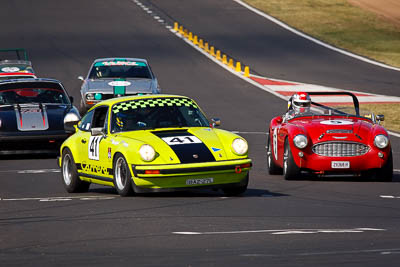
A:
{"points": [[301, 102]]}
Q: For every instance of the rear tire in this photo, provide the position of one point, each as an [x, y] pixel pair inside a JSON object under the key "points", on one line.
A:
{"points": [[273, 168], [237, 190], [69, 174], [290, 169], [122, 176]]}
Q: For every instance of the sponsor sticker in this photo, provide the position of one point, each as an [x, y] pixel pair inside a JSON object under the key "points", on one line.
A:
{"points": [[120, 63], [10, 69], [337, 122], [181, 140], [340, 164], [119, 83], [199, 181]]}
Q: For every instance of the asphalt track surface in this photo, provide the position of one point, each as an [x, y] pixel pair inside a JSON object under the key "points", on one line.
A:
{"points": [[42, 225]]}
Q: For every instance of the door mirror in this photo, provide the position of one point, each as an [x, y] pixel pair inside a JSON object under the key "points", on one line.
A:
{"points": [[71, 98], [380, 117], [70, 122], [81, 78], [216, 122], [97, 131]]}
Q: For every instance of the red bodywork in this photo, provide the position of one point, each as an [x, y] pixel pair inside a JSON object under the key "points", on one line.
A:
{"points": [[329, 129]]}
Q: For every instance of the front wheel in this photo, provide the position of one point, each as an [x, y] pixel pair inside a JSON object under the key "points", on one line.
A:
{"points": [[70, 177], [82, 108], [290, 169], [122, 176]]}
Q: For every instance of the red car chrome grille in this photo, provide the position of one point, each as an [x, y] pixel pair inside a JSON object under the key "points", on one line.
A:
{"points": [[340, 149]]}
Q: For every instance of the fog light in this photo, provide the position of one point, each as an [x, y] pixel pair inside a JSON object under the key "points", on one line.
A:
{"points": [[380, 154], [301, 154]]}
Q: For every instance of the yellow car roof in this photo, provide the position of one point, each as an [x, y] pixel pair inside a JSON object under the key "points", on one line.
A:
{"points": [[113, 101]]}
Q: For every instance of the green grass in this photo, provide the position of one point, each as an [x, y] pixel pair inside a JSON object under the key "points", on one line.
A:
{"points": [[392, 116], [341, 24]]}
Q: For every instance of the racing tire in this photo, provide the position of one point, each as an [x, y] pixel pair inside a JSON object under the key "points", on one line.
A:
{"points": [[273, 168], [237, 190], [122, 176], [82, 108], [69, 174], [290, 170], [385, 174]]}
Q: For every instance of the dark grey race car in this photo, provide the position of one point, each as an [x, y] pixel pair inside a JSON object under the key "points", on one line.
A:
{"points": [[32, 116], [113, 77]]}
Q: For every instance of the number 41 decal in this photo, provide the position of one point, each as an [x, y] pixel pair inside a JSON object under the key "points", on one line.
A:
{"points": [[181, 140], [94, 144]]}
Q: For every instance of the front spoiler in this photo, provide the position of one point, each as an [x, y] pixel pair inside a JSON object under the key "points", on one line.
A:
{"points": [[192, 169], [161, 178]]}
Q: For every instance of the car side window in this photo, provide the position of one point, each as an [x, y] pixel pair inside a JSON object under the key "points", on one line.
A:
{"points": [[86, 121], [100, 118]]}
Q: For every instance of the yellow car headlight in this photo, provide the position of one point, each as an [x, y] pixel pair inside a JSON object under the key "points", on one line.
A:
{"points": [[240, 146], [147, 152]]}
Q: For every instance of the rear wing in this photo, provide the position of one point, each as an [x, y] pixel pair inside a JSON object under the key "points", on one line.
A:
{"points": [[13, 54], [355, 100]]}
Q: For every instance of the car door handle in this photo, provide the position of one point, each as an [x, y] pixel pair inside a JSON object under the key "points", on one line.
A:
{"points": [[83, 141]]}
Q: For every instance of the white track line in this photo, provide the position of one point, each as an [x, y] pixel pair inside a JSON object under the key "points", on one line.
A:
{"points": [[51, 199], [285, 231], [287, 27]]}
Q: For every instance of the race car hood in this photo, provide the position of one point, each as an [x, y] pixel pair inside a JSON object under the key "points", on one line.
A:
{"points": [[187, 145], [123, 87], [32, 117], [326, 129]]}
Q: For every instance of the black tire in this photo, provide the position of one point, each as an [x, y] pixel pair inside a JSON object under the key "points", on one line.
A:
{"points": [[290, 169], [273, 168], [385, 174], [82, 108], [237, 190], [122, 176], [69, 174]]}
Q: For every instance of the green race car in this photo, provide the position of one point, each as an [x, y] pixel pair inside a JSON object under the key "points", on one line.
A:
{"points": [[152, 143]]}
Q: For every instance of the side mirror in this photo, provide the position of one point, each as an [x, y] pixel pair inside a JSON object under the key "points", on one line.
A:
{"points": [[279, 120], [216, 122], [70, 122], [380, 117], [97, 131], [71, 98], [81, 78]]}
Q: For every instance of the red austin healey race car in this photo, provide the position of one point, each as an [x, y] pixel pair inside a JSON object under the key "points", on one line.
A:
{"points": [[312, 138]]}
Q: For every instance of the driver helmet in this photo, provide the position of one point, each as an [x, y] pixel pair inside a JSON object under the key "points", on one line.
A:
{"points": [[301, 102]]}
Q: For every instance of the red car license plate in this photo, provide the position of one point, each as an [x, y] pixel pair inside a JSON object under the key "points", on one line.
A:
{"points": [[340, 164]]}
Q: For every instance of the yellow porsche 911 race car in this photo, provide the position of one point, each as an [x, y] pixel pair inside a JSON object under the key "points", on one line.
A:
{"points": [[152, 143]]}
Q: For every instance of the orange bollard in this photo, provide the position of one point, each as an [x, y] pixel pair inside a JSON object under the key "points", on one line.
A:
{"points": [[238, 67], [224, 59], [246, 71]]}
